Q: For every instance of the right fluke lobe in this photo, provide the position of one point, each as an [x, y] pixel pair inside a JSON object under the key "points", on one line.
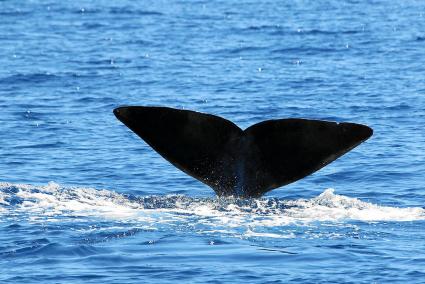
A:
{"points": [[246, 163]]}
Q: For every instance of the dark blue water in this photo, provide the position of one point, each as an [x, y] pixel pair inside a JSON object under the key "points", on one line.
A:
{"points": [[83, 200]]}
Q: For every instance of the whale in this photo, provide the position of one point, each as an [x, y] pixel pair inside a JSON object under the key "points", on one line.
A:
{"points": [[242, 163]]}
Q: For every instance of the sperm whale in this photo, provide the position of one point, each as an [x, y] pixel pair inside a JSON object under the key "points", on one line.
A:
{"points": [[235, 162]]}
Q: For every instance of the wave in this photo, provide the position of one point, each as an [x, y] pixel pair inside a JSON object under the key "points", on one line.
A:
{"points": [[28, 78], [133, 11], [53, 200], [306, 50], [287, 31]]}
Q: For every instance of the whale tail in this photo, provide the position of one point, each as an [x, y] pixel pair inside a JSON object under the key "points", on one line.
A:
{"points": [[246, 163]]}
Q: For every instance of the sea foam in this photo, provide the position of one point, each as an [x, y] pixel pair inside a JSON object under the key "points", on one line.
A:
{"points": [[55, 200]]}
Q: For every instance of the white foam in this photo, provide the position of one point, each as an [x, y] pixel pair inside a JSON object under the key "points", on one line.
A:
{"points": [[54, 200], [51, 200], [250, 233], [329, 206]]}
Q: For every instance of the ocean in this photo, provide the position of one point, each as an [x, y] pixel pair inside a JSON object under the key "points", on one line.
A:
{"points": [[84, 200]]}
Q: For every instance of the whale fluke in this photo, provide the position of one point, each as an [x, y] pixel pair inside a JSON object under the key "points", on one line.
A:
{"points": [[245, 163]]}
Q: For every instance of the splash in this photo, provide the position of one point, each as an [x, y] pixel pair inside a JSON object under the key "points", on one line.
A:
{"points": [[54, 200]]}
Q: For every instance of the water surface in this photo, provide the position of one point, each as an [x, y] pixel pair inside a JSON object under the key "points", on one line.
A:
{"points": [[82, 199]]}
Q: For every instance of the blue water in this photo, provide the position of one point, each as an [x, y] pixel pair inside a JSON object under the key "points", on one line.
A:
{"points": [[83, 200]]}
